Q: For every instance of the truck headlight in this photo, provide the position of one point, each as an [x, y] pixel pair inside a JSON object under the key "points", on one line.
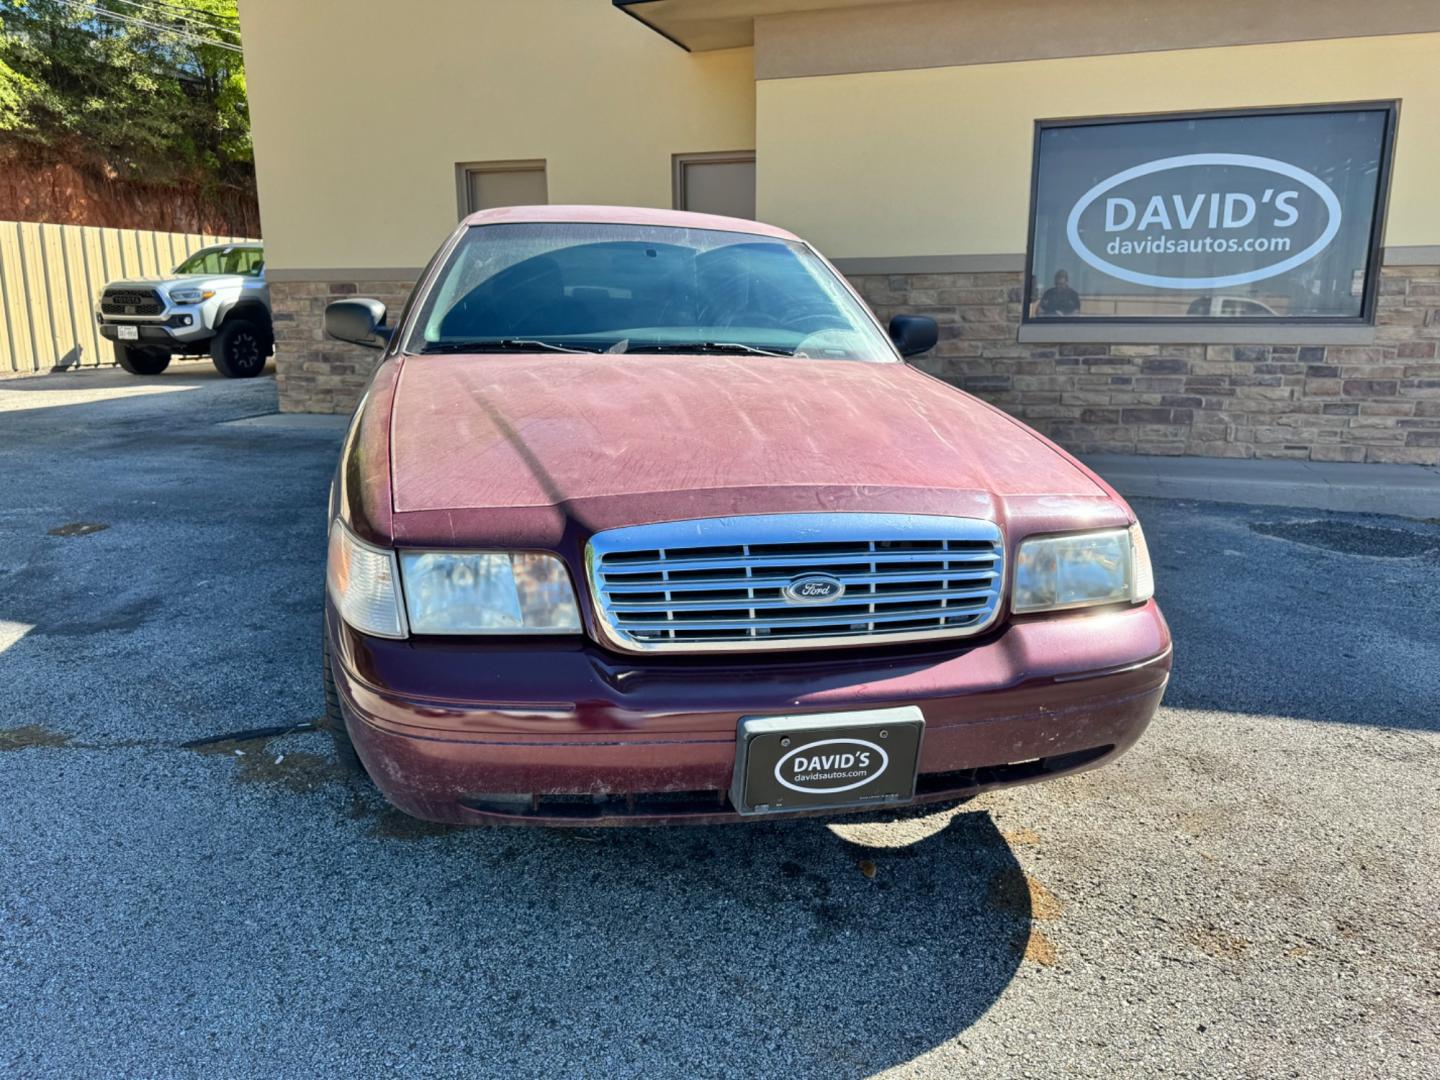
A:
{"points": [[1081, 570], [364, 584], [452, 592], [190, 296]]}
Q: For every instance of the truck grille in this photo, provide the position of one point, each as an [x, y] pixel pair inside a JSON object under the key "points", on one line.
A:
{"points": [[131, 302], [794, 581]]}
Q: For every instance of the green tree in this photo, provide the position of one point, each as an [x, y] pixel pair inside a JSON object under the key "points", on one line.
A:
{"points": [[144, 90]]}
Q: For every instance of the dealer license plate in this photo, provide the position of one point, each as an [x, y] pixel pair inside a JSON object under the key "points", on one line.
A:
{"points": [[813, 761], [127, 333]]}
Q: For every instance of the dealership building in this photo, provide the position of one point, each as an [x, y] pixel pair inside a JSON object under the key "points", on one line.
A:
{"points": [[1144, 226]]}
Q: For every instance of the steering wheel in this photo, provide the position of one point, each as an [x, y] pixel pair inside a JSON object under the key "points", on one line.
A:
{"points": [[811, 324], [757, 319]]}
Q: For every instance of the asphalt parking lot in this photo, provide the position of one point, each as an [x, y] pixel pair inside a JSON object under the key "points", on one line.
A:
{"points": [[1251, 892]]}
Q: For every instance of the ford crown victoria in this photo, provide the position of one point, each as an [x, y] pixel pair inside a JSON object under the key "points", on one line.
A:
{"points": [[644, 517]]}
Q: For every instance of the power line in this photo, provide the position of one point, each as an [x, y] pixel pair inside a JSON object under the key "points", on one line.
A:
{"points": [[165, 28], [196, 11], [182, 12], [183, 19], [130, 20], [195, 22], [185, 29]]}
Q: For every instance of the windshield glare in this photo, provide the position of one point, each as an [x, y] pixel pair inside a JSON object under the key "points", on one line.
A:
{"points": [[636, 288]]}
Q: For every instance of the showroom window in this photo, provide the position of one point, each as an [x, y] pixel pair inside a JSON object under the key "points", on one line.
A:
{"points": [[1241, 216], [484, 185]]}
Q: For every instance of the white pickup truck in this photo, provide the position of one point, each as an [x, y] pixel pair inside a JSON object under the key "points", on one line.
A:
{"points": [[216, 304]]}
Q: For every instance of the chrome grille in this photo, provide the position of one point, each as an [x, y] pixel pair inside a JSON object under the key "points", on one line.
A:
{"points": [[131, 302], [719, 584]]}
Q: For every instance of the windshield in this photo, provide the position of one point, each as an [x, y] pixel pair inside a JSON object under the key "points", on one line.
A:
{"points": [[224, 260], [589, 287]]}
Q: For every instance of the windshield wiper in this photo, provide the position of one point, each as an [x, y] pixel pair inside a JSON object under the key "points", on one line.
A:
{"points": [[499, 345], [706, 347]]}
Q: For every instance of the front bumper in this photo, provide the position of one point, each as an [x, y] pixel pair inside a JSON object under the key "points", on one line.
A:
{"points": [[161, 331], [559, 731]]}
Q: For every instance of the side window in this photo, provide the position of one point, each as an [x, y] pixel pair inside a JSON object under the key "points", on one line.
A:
{"points": [[721, 183], [485, 185], [244, 261]]}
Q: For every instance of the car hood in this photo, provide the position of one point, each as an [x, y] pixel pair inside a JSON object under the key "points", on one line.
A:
{"points": [[495, 432], [201, 281]]}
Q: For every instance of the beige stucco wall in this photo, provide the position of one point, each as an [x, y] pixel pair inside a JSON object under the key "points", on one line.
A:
{"points": [[362, 108], [937, 161]]}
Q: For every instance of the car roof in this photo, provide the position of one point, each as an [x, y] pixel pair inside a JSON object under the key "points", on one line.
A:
{"points": [[624, 215]]}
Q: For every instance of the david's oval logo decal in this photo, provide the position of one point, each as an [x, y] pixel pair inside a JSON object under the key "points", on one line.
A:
{"points": [[814, 589], [830, 765], [1221, 211]]}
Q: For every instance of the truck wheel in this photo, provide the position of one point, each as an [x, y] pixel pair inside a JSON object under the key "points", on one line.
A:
{"points": [[139, 361], [240, 349], [345, 754]]}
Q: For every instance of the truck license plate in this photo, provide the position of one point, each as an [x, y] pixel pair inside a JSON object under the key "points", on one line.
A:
{"points": [[127, 333], [813, 761]]}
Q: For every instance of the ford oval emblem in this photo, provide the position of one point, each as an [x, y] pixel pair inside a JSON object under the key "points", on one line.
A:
{"points": [[814, 589]]}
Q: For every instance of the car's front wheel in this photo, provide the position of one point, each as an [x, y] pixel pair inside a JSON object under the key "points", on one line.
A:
{"points": [[138, 361], [240, 349]]}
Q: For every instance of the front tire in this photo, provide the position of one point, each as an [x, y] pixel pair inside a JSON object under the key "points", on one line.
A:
{"points": [[240, 349], [138, 361]]}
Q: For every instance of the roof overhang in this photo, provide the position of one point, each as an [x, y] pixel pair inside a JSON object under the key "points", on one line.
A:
{"points": [[701, 25]]}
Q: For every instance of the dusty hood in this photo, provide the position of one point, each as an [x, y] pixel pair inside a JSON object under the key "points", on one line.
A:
{"points": [[511, 431]]}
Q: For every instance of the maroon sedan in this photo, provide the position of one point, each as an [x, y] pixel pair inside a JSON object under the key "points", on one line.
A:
{"points": [[643, 517]]}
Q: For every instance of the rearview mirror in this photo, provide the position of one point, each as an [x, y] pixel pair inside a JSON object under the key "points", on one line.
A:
{"points": [[358, 321], [914, 334]]}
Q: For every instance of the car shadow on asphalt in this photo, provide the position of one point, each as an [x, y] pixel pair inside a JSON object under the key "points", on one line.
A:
{"points": [[807, 947]]}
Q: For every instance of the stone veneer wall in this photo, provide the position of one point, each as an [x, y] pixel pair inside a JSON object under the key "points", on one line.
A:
{"points": [[1376, 403], [317, 374]]}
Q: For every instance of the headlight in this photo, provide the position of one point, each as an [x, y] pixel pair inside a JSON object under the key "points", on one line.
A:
{"points": [[364, 584], [1082, 569], [190, 296], [488, 593]]}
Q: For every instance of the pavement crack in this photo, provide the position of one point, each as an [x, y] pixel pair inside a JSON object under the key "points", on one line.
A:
{"points": [[250, 734]]}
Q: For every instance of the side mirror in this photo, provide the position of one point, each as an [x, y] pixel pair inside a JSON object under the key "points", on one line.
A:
{"points": [[360, 322], [914, 334]]}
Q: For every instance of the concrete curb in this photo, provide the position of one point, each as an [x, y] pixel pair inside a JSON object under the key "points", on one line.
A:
{"points": [[1403, 490], [309, 423]]}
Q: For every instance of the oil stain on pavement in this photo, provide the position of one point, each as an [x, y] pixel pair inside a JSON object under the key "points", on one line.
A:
{"points": [[29, 737]]}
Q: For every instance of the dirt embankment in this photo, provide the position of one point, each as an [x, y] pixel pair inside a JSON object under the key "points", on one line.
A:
{"points": [[67, 194]]}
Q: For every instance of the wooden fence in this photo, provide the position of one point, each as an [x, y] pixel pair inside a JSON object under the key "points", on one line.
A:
{"points": [[50, 280]]}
